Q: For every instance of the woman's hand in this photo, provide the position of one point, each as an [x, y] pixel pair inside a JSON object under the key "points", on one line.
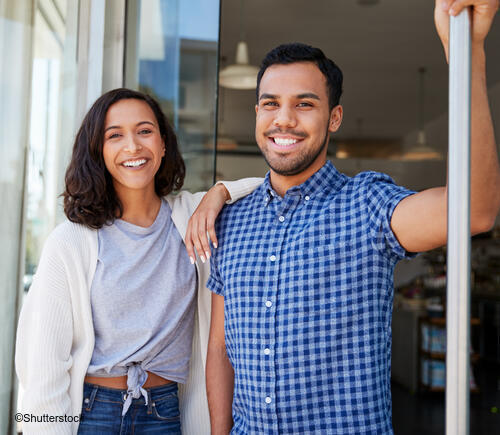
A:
{"points": [[203, 221]]}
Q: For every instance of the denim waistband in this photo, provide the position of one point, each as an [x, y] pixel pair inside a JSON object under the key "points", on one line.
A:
{"points": [[115, 395]]}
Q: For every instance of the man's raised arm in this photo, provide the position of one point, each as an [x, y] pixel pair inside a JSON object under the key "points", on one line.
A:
{"points": [[420, 221]]}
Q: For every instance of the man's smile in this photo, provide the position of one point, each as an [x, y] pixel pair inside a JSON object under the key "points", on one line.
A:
{"points": [[284, 143], [280, 141]]}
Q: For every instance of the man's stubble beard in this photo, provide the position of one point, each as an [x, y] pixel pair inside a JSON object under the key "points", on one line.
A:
{"points": [[299, 164]]}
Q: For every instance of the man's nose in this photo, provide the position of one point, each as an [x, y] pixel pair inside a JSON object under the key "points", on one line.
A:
{"points": [[285, 118]]}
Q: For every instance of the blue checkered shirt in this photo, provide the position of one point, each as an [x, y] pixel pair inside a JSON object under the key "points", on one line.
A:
{"points": [[307, 281]]}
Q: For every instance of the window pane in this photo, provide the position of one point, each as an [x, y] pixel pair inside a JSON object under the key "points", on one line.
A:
{"points": [[171, 54], [53, 96]]}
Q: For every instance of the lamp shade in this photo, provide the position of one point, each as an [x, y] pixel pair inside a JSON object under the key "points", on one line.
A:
{"points": [[240, 75], [422, 151]]}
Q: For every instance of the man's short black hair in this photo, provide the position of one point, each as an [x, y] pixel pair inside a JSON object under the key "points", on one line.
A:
{"points": [[298, 52]]}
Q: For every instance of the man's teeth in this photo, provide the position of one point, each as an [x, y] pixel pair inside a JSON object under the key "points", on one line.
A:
{"points": [[284, 142], [134, 163]]}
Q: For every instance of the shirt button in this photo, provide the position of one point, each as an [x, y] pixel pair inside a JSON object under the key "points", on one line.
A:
{"points": [[281, 218], [267, 351], [307, 198], [268, 400], [272, 258], [269, 304]]}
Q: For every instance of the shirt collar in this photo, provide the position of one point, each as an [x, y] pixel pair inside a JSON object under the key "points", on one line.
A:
{"points": [[325, 178]]}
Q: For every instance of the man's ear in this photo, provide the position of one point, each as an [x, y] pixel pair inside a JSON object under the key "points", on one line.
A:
{"points": [[256, 108], [335, 118]]}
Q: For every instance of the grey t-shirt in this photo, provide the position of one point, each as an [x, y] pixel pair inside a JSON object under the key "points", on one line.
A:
{"points": [[143, 302]]}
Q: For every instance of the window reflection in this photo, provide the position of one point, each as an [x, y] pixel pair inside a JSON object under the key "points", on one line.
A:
{"points": [[171, 54], [49, 141]]}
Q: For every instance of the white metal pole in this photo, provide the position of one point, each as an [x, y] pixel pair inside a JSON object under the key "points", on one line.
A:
{"points": [[458, 269]]}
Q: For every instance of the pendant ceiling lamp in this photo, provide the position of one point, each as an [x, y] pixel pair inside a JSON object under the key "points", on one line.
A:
{"points": [[421, 151], [240, 75]]}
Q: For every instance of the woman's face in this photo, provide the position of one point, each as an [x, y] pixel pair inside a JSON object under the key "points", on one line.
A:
{"points": [[133, 146]]}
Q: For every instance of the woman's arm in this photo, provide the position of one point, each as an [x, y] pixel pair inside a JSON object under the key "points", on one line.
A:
{"points": [[43, 347], [203, 219]]}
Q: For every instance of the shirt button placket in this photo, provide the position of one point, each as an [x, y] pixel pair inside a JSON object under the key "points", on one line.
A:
{"points": [[269, 370], [268, 354]]}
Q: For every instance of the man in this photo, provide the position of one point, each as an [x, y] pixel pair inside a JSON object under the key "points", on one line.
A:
{"points": [[300, 338]]}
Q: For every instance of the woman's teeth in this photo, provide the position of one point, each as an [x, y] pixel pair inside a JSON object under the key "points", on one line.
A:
{"points": [[284, 142], [134, 163]]}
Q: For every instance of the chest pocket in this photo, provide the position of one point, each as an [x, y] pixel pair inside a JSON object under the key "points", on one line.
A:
{"points": [[325, 276]]}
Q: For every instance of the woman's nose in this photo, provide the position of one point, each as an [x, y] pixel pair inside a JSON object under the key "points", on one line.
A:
{"points": [[132, 146]]}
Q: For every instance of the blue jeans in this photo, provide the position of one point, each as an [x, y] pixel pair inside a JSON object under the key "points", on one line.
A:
{"points": [[102, 412]]}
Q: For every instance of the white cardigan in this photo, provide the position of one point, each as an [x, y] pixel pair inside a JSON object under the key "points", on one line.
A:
{"points": [[55, 335]]}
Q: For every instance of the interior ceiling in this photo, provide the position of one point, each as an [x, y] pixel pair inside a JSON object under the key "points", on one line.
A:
{"points": [[379, 49]]}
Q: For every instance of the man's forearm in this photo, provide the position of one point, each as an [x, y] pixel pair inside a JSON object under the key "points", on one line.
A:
{"points": [[220, 385], [485, 175]]}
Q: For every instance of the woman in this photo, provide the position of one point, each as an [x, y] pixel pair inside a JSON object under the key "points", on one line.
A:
{"points": [[109, 326]]}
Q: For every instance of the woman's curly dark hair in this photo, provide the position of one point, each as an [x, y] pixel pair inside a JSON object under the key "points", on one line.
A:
{"points": [[89, 197]]}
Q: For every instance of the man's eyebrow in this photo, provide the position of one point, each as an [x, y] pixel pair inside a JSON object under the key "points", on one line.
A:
{"points": [[117, 126], [299, 96], [268, 97], [308, 95]]}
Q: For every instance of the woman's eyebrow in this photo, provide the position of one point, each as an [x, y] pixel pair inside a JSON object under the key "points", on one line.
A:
{"points": [[110, 127], [139, 123], [145, 122]]}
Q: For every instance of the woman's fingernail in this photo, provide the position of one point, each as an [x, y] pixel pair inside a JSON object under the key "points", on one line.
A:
{"points": [[207, 254], [202, 258], [191, 259], [215, 245]]}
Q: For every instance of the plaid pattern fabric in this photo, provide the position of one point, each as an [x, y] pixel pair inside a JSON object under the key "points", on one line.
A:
{"points": [[307, 282]]}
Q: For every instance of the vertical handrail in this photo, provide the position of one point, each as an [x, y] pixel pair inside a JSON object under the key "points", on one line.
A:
{"points": [[458, 263]]}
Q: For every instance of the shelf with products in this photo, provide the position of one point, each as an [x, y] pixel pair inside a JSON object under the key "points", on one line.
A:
{"points": [[432, 354], [424, 297]]}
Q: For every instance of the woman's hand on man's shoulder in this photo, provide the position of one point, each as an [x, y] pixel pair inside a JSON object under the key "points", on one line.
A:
{"points": [[201, 226]]}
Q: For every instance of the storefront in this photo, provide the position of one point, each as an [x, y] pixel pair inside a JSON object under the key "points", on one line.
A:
{"points": [[58, 56]]}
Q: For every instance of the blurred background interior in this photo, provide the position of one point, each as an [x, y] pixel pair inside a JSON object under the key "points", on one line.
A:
{"points": [[199, 59]]}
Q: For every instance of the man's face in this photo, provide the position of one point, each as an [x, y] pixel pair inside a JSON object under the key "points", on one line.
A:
{"points": [[293, 118]]}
